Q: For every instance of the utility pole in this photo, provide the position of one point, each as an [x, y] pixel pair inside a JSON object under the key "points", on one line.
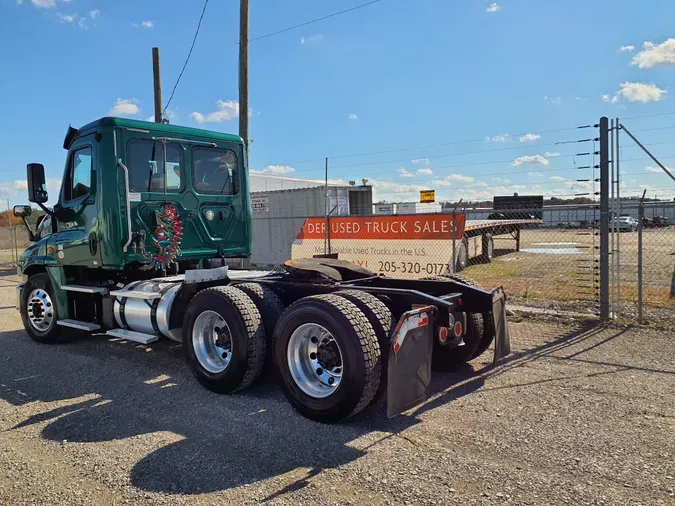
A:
{"points": [[157, 84], [243, 72]]}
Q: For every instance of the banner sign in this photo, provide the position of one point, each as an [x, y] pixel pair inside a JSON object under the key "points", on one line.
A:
{"points": [[399, 246]]}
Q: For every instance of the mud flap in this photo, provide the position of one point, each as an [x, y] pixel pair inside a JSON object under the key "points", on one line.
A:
{"points": [[502, 339], [409, 372]]}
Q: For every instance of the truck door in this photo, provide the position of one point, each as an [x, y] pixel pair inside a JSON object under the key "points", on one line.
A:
{"points": [[76, 211]]}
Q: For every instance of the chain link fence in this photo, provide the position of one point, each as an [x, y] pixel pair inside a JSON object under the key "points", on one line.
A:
{"points": [[539, 257], [643, 264], [13, 240]]}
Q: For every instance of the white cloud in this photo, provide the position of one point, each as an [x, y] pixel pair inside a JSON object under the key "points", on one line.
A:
{"points": [[627, 49], [493, 8], [226, 110], [501, 180], [425, 172], [67, 18], [351, 115], [148, 24], [554, 100], [641, 92], [609, 99], [125, 107], [530, 137], [530, 160], [93, 14], [440, 182], [172, 115], [535, 174], [277, 170], [395, 192], [421, 161], [655, 55], [18, 189], [460, 177], [549, 154], [314, 38], [657, 170], [499, 138], [44, 4], [404, 173], [557, 178]]}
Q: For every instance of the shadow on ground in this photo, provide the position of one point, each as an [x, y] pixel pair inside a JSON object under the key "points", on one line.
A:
{"points": [[119, 390]]}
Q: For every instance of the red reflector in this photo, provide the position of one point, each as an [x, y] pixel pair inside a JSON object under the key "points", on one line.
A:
{"points": [[443, 334], [396, 347], [460, 302], [458, 329]]}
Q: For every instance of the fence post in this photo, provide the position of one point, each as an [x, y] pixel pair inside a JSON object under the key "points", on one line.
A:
{"points": [[641, 216], [604, 218], [454, 251]]}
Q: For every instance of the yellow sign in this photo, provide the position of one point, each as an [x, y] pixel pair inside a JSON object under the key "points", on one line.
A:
{"points": [[427, 196]]}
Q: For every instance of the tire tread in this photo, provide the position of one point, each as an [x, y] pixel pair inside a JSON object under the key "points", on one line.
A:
{"points": [[254, 328]]}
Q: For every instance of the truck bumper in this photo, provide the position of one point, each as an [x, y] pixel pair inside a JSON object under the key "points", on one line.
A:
{"points": [[19, 288]]}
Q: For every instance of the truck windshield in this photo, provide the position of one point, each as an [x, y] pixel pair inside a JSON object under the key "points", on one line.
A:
{"points": [[145, 159], [214, 170]]}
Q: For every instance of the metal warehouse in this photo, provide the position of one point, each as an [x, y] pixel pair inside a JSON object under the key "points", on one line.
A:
{"points": [[279, 214]]}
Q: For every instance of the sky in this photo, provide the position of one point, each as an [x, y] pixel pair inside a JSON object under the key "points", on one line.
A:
{"points": [[468, 97]]}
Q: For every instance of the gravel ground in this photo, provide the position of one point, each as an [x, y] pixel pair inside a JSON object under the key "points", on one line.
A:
{"points": [[579, 415]]}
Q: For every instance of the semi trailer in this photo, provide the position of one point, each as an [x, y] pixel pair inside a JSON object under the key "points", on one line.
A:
{"points": [[135, 247]]}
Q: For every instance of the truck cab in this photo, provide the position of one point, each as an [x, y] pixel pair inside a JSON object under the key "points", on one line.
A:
{"points": [[119, 175]]}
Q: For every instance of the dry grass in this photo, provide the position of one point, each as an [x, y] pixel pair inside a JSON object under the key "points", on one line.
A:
{"points": [[574, 276]]}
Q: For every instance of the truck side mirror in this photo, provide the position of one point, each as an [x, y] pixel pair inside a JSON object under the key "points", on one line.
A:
{"points": [[37, 187], [22, 211]]}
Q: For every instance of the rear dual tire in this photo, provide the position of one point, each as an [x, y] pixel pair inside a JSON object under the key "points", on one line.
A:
{"points": [[478, 336], [328, 358], [224, 339]]}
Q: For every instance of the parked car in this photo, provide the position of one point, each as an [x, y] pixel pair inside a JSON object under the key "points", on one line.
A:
{"points": [[625, 224]]}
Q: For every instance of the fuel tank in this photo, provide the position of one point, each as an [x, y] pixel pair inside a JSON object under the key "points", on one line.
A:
{"points": [[151, 315]]}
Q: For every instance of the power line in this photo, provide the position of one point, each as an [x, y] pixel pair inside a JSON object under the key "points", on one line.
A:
{"points": [[494, 162], [649, 115], [453, 143], [194, 40], [313, 21]]}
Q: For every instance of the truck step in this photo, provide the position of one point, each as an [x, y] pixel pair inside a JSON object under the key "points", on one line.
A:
{"points": [[136, 294], [130, 335], [85, 289], [75, 324]]}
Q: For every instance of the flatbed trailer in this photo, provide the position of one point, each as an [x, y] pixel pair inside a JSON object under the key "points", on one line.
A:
{"points": [[478, 240]]}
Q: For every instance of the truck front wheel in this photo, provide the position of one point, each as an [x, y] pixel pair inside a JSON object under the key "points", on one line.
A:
{"points": [[328, 358], [38, 312], [224, 339]]}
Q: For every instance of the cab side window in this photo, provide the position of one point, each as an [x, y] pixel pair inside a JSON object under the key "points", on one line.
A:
{"points": [[145, 159], [44, 226], [78, 178]]}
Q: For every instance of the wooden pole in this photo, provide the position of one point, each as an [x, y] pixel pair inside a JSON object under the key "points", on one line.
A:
{"points": [[157, 84], [243, 72]]}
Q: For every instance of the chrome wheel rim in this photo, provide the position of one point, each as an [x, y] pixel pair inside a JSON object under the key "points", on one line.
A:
{"points": [[212, 342], [315, 360], [40, 310]]}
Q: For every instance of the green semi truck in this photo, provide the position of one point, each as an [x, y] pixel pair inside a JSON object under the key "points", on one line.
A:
{"points": [[135, 247]]}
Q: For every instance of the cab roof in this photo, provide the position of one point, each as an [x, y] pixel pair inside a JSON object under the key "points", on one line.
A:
{"points": [[160, 127]]}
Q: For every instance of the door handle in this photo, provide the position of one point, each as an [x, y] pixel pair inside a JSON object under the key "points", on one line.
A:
{"points": [[93, 243]]}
